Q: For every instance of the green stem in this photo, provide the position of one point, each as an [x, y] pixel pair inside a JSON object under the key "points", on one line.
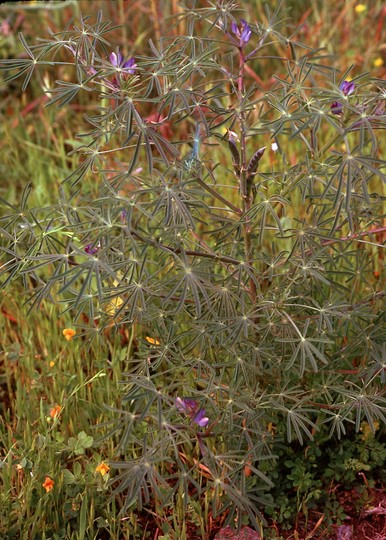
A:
{"points": [[245, 192]]}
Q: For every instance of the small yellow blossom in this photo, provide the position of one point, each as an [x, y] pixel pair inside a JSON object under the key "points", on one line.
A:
{"points": [[102, 468], [69, 333], [366, 430], [55, 411], [48, 484], [52, 363], [360, 8], [115, 303], [378, 62], [152, 341]]}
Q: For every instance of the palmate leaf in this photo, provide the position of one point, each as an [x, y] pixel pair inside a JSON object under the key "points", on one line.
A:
{"points": [[23, 66], [187, 286], [65, 92], [141, 480], [153, 139], [307, 353], [86, 165], [298, 421], [259, 214], [175, 206], [43, 291], [337, 421], [241, 326], [224, 301], [237, 500], [369, 403]]}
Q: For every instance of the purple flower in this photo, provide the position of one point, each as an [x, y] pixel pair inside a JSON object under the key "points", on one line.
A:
{"points": [[128, 66], [91, 249], [186, 405], [123, 215], [243, 34], [201, 419], [191, 409], [347, 88]]}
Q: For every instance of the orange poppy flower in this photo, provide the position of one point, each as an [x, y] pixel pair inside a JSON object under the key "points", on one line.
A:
{"points": [[48, 484], [152, 341], [69, 333], [55, 411], [102, 468]]}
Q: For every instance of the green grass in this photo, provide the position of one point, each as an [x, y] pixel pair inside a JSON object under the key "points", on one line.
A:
{"points": [[40, 370]]}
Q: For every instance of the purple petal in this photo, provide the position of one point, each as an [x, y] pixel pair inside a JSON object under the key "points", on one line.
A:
{"points": [[200, 418], [90, 249], [187, 406], [116, 58], [113, 59], [336, 108], [243, 33], [123, 215], [347, 87], [130, 66], [246, 32]]}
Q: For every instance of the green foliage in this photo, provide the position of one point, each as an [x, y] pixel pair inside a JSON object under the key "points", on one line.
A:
{"points": [[307, 478], [79, 445], [242, 278]]}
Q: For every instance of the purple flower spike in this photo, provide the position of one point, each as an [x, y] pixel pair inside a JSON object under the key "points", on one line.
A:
{"points": [[117, 60], [243, 34], [347, 88], [190, 408]]}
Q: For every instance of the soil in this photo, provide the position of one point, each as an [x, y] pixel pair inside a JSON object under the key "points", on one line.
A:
{"points": [[361, 523]]}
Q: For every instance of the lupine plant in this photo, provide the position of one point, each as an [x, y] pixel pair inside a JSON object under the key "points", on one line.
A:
{"points": [[236, 233]]}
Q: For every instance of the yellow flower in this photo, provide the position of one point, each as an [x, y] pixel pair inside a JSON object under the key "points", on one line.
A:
{"points": [[115, 303], [360, 8], [69, 333], [55, 411], [152, 341], [48, 484], [102, 468], [378, 62], [366, 430], [52, 363]]}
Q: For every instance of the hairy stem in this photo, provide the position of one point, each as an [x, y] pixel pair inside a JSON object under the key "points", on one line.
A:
{"points": [[245, 191]]}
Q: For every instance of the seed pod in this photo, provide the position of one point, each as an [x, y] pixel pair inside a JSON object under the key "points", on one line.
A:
{"points": [[232, 138], [254, 162]]}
